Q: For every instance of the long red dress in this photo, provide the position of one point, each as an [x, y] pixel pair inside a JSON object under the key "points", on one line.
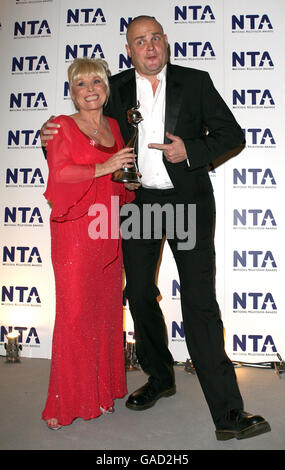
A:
{"points": [[87, 366]]}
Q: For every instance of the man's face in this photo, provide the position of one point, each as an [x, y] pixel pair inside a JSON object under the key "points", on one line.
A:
{"points": [[148, 47]]}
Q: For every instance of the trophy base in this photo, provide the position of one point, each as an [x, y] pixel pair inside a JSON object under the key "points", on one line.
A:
{"points": [[126, 175]]}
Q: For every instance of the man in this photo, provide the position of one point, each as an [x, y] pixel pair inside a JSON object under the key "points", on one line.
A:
{"points": [[177, 104]]}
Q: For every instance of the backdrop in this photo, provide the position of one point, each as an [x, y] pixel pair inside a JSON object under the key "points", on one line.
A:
{"points": [[240, 44]]}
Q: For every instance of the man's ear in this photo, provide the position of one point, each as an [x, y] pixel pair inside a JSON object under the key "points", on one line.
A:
{"points": [[128, 50]]}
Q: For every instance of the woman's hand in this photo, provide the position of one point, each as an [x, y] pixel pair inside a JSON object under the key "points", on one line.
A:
{"points": [[125, 157]]}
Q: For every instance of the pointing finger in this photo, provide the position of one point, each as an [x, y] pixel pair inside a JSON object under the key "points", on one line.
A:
{"points": [[158, 146]]}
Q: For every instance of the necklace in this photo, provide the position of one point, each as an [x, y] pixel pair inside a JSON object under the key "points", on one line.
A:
{"points": [[94, 131]]}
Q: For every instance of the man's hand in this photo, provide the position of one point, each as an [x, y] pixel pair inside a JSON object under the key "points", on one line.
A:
{"points": [[174, 152], [48, 130]]}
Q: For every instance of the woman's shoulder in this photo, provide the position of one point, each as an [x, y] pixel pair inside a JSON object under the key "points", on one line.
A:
{"points": [[112, 120], [68, 126], [113, 123], [63, 119]]}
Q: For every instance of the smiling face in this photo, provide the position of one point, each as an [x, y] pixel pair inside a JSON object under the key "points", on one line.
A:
{"points": [[147, 46], [88, 92], [88, 83]]}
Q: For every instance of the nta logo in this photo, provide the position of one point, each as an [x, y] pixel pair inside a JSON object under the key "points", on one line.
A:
{"points": [[251, 23], [254, 217], [253, 98], [254, 177], [28, 101], [194, 50], [86, 16], [22, 215], [25, 334], [257, 343], [23, 138], [254, 300], [32, 28], [21, 254], [20, 294], [84, 50], [257, 137], [24, 176], [28, 64], [254, 259], [191, 13], [256, 60]]}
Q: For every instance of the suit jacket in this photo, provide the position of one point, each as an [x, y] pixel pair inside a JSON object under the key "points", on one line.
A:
{"points": [[192, 106]]}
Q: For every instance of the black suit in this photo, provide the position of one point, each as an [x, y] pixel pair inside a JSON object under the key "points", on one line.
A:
{"points": [[192, 105]]}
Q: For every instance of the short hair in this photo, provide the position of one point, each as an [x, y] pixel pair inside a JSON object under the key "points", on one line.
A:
{"points": [[82, 66], [142, 18]]}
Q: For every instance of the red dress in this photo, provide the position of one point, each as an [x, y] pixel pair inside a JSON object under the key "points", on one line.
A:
{"points": [[87, 365]]}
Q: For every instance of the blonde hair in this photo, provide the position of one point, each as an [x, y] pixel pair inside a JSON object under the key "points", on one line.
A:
{"points": [[82, 66]]}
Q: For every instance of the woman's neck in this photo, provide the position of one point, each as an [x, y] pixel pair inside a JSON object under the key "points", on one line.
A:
{"points": [[94, 117]]}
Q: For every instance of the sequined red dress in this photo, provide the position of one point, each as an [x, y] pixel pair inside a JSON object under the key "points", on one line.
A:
{"points": [[87, 366]]}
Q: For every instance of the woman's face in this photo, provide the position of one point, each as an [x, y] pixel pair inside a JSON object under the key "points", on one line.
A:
{"points": [[89, 92]]}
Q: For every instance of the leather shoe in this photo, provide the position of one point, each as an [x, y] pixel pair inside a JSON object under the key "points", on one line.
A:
{"points": [[241, 425], [146, 396]]}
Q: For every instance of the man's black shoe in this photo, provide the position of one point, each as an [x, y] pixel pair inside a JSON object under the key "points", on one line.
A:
{"points": [[241, 425], [146, 396]]}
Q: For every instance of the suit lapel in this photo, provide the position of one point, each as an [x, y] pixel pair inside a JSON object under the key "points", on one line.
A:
{"points": [[127, 92], [172, 110], [173, 101]]}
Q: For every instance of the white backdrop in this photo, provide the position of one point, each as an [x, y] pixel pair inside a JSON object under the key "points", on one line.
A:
{"points": [[240, 44]]}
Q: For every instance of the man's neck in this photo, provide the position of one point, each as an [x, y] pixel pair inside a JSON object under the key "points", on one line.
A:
{"points": [[152, 79]]}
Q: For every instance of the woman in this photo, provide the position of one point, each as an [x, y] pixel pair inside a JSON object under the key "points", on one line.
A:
{"points": [[87, 366]]}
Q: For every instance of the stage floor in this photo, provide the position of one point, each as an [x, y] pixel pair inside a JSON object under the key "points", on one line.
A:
{"points": [[181, 422]]}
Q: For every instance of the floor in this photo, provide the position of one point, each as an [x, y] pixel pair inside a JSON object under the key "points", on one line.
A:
{"points": [[180, 422]]}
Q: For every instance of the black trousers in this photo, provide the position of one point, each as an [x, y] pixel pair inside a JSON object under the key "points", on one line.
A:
{"points": [[203, 326]]}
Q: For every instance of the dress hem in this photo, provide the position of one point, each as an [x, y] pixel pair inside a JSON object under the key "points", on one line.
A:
{"points": [[85, 418]]}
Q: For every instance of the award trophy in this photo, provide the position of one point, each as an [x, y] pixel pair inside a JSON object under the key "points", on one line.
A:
{"points": [[126, 174]]}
